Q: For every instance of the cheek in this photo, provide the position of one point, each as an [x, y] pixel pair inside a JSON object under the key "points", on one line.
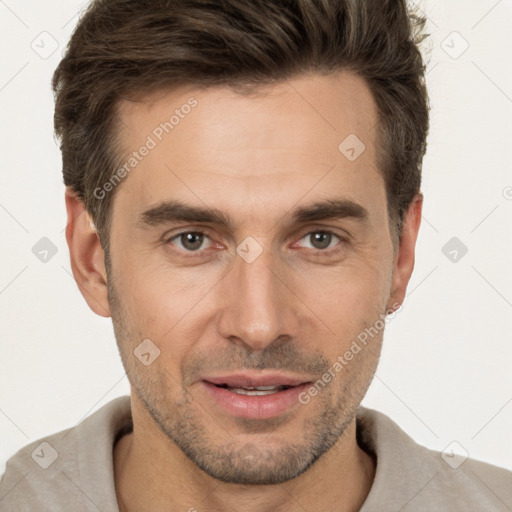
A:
{"points": [[158, 295], [166, 306], [349, 298]]}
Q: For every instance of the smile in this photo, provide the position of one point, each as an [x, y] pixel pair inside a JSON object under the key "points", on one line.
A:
{"points": [[254, 396]]}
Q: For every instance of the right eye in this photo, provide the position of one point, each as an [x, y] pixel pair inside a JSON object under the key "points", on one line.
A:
{"points": [[190, 241]]}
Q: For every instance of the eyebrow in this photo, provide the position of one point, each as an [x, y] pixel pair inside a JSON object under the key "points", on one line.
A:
{"points": [[175, 211]]}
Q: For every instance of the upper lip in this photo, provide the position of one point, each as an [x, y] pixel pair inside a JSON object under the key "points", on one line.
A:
{"points": [[252, 380]]}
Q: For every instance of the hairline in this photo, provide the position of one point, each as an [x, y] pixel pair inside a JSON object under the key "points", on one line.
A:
{"points": [[251, 88]]}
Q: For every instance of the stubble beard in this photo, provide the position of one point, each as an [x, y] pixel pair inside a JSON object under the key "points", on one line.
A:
{"points": [[238, 462]]}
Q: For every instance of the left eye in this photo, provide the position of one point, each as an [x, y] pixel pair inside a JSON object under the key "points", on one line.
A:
{"points": [[190, 241], [321, 240]]}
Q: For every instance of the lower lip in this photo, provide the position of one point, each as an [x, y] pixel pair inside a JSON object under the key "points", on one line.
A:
{"points": [[256, 406]]}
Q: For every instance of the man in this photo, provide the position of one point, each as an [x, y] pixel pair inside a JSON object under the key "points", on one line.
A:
{"points": [[243, 197]]}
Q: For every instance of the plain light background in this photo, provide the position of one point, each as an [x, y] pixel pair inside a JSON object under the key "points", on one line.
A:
{"points": [[445, 371]]}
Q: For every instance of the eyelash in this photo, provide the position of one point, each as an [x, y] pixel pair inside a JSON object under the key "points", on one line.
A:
{"points": [[313, 252]]}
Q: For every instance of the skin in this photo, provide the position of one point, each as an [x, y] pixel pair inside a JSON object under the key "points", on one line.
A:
{"points": [[295, 309]]}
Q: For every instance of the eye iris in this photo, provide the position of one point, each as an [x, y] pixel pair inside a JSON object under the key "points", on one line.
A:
{"points": [[321, 240], [192, 241]]}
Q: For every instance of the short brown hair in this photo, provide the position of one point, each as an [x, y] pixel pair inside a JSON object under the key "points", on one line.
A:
{"points": [[124, 46]]}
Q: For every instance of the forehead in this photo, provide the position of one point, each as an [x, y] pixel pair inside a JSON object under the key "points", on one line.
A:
{"points": [[312, 136]]}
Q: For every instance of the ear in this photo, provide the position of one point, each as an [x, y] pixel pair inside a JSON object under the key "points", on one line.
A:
{"points": [[403, 263], [87, 256]]}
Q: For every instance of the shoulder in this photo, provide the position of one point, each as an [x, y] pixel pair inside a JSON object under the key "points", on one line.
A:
{"points": [[413, 477], [40, 468], [60, 471]]}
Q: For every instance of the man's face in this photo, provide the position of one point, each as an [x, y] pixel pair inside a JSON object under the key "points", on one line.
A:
{"points": [[269, 292]]}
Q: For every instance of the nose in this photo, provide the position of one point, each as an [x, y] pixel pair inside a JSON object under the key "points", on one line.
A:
{"points": [[258, 304]]}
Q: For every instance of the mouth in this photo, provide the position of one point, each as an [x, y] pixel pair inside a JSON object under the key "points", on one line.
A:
{"points": [[255, 391], [255, 396]]}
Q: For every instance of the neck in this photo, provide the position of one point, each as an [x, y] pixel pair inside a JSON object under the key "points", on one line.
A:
{"points": [[152, 473]]}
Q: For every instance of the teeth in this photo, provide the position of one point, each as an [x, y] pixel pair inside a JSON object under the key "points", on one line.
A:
{"points": [[264, 388], [256, 391], [259, 391]]}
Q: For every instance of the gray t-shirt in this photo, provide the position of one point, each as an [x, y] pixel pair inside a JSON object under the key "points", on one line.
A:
{"points": [[72, 470]]}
